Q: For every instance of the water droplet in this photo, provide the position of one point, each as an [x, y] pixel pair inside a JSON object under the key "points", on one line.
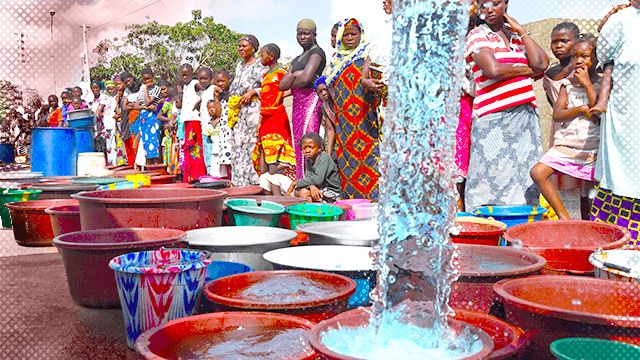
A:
{"points": [[517, 244], [392, 279], [576, 302], [399, 249], [483, 16]]}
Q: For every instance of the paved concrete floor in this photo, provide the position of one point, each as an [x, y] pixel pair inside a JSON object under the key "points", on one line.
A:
{"points": [[38, 318]]}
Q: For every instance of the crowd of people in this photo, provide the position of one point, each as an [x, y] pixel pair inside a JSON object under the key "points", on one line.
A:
{"points": [[236, 126]]}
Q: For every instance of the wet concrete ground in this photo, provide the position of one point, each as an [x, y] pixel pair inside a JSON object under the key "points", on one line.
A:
{"points": [[38, 318]]}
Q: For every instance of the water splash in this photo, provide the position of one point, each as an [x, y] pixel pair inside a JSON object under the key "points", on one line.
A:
{"points": [[417, 156]]}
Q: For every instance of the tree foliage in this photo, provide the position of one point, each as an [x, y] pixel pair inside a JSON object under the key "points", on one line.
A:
{"points": [[200, 42]]}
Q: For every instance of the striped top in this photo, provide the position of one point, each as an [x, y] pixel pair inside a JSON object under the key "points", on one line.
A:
{"points": [[491, 95]]}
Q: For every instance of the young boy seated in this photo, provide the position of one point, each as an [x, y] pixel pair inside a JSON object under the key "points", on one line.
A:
{"points": [[321, 180]]}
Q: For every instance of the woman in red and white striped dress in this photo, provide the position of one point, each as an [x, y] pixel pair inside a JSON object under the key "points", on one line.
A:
{"points": [[505, 137]]}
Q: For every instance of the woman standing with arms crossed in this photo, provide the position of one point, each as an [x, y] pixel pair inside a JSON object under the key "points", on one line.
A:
{"points": [[505, 137], [305, 69]]}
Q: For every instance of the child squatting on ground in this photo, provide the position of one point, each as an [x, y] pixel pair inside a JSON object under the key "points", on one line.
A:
{"points": [[321, 180]]}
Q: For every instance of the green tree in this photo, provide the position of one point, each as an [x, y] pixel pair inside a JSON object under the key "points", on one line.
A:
{"points": [[200, 42]]}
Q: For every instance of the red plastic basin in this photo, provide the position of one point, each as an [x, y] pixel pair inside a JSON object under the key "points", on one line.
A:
{"points": [[173, 208], [360, 317], [481, 266], [64, 219], [567, 262], [568, 234], [242, 190], [163, 179], [170, 340], [176, 185], [509, 342], [86, 256], [31, 224], [159, 169], [477, 233], [312, 295], [551, 307]]}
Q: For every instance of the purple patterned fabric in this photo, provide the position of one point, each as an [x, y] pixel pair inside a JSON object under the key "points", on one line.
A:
{"points": [[305, 118]]}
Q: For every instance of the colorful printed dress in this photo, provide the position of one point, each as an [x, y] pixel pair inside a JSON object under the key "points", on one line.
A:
{"points": [[247, 77], [357, 133], [193, 166], [275, 131]]}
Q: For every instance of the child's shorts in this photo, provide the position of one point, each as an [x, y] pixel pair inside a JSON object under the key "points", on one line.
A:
{"points": [[267, 180]]}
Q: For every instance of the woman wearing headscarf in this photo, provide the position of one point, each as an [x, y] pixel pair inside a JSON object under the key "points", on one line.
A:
{"points": [[244, 111], [357, 96], [304, 70]]}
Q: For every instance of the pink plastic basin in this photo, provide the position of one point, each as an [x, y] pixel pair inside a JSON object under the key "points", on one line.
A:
{"points": [[173, 208], [565, 234], [551, 307], [312, 295], [360, 317], [86, 256], [481, 266], [176, 338], [64, 219]]}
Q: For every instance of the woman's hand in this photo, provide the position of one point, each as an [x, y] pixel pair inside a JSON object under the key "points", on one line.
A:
{"points": [[291, 188], [246, 98], [372, 85], [515, 26]]}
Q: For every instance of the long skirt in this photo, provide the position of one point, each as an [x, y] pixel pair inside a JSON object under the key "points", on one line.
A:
{"points": [[618, 210], [243, 142], [504, 147], [193, 166], [116, 152], [305, 118]]}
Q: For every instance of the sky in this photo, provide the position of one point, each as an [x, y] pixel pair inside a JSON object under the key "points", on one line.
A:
{"points": [[270, 20]]}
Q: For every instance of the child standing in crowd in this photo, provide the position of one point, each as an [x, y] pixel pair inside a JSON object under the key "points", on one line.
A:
{"points": [[65, 98], [321, 180], [222, 79], [328, 109], [273, 153], [55, 112], [205, 93], [577, 138], [177, 133], [113, 143], [563, 37], [148, 126], [218, 133]]}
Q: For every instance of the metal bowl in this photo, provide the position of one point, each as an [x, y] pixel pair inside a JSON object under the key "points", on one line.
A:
{"points": [[242, 244], [355, 233]]}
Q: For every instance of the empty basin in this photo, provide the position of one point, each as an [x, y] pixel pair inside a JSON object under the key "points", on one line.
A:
{"points": [[357, 233]]}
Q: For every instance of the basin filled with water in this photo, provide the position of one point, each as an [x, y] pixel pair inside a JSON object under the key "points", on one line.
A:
{"points": [[312, 295], [229, 335], [351, 335], [551, 307], [482, 266], [355, 262]]}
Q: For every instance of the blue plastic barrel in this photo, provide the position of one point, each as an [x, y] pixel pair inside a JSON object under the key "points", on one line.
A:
{"points": [[53, 151], [7, 154], [84, 140]]}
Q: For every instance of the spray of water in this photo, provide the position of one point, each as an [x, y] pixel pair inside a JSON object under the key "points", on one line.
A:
{"points": [[417, 185]]}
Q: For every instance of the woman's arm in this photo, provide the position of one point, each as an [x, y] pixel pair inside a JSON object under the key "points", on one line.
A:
{"points": [[331, 133], [605, 90], [367, 81], [560, 111], [496, 70], [308, 73], [536, 56]]}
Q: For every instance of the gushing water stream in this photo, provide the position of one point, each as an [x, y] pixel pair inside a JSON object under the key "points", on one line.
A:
{"points": [[417, 202]]}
